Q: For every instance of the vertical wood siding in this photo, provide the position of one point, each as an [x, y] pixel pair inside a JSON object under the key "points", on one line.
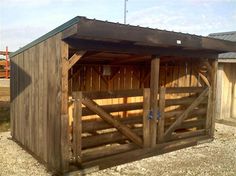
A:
{"points": [[36, 100], [226, 91]]}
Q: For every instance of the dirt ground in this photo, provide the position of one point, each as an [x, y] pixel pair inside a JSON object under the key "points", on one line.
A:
{"points": [[4, 119], [215, 158]]}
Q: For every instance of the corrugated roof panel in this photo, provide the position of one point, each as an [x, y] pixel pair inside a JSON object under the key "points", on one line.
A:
{"points": [[231, 36]]}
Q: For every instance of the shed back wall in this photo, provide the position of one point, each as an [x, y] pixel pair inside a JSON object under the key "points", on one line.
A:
{"points": [[91, 78]]}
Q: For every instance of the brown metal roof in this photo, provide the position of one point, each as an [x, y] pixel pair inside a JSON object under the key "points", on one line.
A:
{"points": [[230, 36], [89, 34], [95, 35]]}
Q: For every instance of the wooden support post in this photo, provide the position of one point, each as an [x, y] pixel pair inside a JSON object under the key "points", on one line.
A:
{"points": [[213, 87], [161, 121], [154, 84], [219, 91], [93, 106], [209, 112], [146, 121], [77, 126], [64, 109]]}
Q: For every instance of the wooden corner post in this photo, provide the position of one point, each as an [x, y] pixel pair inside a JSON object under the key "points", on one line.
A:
{"points": [[211, 108], [64, 109], [213, 87], [154, 84]]}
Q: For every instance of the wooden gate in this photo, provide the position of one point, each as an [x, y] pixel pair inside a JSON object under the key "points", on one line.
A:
{"points": [[107, 123]]}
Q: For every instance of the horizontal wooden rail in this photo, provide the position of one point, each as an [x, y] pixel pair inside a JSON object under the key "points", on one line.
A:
{"points": [[106, 138], [188, 134], [182, 101], [175, 113], [92, 125], [114, 108], [100, 152], [172, 90], [113, 94]]}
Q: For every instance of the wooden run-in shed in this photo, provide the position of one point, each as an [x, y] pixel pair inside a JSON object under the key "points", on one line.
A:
{"points": [[94, 94], [226, 82]]}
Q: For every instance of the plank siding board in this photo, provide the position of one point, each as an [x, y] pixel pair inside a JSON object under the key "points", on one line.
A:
{"points": [[45, 102], [64, 109], [26, 99], [36, 98], [40, 101], [51, 103]]}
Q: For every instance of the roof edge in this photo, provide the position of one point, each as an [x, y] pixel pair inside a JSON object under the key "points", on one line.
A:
{"points": [[222, 33], [48, 35]]}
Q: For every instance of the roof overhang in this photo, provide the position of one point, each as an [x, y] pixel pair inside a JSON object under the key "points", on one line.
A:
{"points": [[98, 35]]}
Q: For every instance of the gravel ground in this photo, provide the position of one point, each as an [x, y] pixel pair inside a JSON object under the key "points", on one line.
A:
{"points": [[215, 158]]}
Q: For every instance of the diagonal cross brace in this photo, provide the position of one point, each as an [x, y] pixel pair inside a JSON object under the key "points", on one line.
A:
{"points": [[184, 115], [93, 106], [75, 58]]}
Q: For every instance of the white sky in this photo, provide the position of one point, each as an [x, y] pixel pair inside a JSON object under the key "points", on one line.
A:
{"points": [[22, 21]]}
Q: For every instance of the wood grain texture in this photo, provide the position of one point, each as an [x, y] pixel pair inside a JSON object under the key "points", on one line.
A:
{"points": [[161, 120], [146, 120], [154, 84], [35, 116]]}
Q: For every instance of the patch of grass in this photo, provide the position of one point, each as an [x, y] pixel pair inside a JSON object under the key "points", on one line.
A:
{"points": [[4, 119]]}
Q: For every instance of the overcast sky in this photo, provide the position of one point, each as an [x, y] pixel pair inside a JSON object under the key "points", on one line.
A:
{"points": [[22, 21]]}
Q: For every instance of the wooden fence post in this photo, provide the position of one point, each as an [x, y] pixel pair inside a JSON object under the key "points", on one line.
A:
{"points": [[146, 121], [77, 126], [154, 84], [161, 121]]}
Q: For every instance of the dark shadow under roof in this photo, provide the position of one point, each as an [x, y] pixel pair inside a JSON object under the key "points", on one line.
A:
{"points": [[87, 34]]}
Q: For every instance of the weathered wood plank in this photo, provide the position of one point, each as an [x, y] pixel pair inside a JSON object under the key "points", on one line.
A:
{"points": [[77, 126], [115, 108], [107, 138], [92, 125], [113, 94], [100, 152], [154, 84], [188, 134], [170, 90], [64, 120], [45, 94], [182, 101], [161, 121], [146, 120]]}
